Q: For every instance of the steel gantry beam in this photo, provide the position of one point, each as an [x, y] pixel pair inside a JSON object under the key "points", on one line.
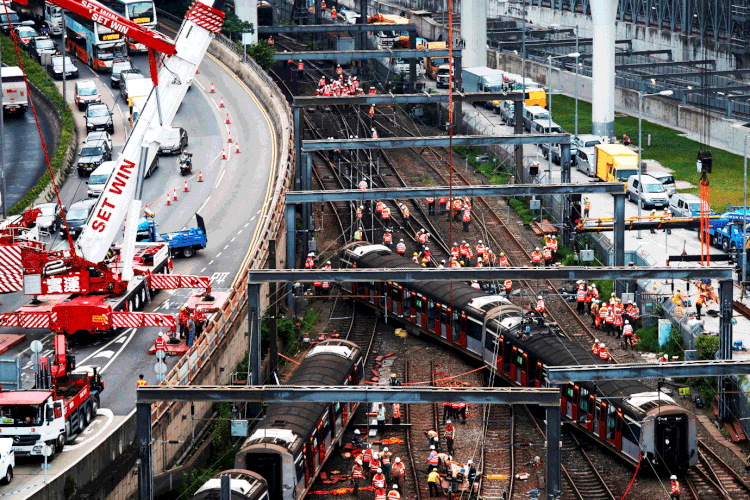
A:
{"points": [[328, 28], [667, 64], [712, 90], [637, 371], [507, 190], [332, 55], [435, 141], [410, 275], [628, 53], [696, 74], [423, 98], [549, 398]]}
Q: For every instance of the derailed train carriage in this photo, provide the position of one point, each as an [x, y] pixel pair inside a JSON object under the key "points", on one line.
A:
{"points": [[627, 417]]}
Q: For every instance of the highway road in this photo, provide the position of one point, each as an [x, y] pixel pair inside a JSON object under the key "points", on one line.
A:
{"points": [[24, 159], [230, 198]]}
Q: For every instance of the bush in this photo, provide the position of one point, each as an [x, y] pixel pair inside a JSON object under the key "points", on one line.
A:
{"points": [[262, 53], [37, 76], [649, 342], [707, 346]]}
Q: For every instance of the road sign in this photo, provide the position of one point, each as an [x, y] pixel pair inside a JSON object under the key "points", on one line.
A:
{"points": [[161, 355], [239, 428], [36, 346], [160, 368]]}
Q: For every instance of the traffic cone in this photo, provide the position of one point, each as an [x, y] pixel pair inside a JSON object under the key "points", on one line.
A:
{"points": [[223, 154], [228, 122], [213, 90], [186, 187], [238, 148], [197, 71], [230, 137], [221, 102], [174, 194], [200, 176], [169, 200]]}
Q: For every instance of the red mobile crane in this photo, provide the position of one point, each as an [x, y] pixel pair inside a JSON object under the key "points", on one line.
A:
{"points": [[93, 287]]}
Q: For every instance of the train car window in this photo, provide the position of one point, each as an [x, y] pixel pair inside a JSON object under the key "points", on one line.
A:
{"points": [[395, 294], [430, 315], [299, 467], [458, 329], [570, 392], [381, 294], [539, 371], [475, 332], [584, 400], [611, 413], [490, 339]]}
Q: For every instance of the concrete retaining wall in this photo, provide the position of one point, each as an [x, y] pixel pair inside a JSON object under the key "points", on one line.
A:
{"points": [[664, 111], [106, 472]]}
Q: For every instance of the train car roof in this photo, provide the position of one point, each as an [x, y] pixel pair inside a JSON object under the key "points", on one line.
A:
{"points": [[243, 484], [462, 295]]}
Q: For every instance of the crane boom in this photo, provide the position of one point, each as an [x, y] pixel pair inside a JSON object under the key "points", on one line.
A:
{"points": [[174, 78]]}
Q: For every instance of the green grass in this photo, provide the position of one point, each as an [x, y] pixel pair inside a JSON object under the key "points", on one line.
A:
{"points": [[36, 75], [668, 147]]}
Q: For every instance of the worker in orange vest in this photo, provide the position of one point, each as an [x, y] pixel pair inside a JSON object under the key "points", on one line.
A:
{"points": [[508, 287], [466, 219], [609, 321], [141, 381], [333, 12], [270, 41], [454, 263], [595, 347], [699, 305], [674, 492], [339, 71], [480, 251], [386, 217], [396, 413], [454, 250], [397, 472], [618, 321], [547, 256], [359, 212], [457, 206], [380, 493], [401, 247], [394, 494], [554, 244], [421, 238], [603, 354], [362, 184], [379, 207], [586, 207], [323, 4], [540, 306], [387, 238], [310, 261], [430, 205], [503, 260], [442, 202], [161, 342], [405, 211], [635, 315], [300, 69], [603, 313], [357, 476], [595, 313], [536, 257], [627, 332], [581, 300]]}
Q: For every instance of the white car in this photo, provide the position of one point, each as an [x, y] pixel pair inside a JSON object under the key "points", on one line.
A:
{"points": [[349, 16], [7, 460]]}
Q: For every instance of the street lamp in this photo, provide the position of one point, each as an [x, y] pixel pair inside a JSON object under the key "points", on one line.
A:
{"points": [[640, 116], [744, 222], [574, 55]]}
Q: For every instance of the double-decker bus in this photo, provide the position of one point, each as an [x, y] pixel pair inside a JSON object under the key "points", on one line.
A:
{"points": [[141, 12], [93, 43]]}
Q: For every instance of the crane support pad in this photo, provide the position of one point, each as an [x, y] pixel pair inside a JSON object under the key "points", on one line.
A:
{"points": [[140, 319], [174, 281]]}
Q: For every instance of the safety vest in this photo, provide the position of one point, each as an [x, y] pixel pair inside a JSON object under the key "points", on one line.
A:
{"points": [[508, 284], [627, 330], [676, 487], [434, 459], [454, 252], [339, 71], [480, 250], [618, 319], [479, 263], [610, 316], [333, 12], [161, 344], [443, 201], [603, 353], [401, 247], [536, 257], [386, 213], [374, 463], [379, 206], [554, 245], [387, 238], [454, 264], [540, 306], [595, 349], [450, 432], [363, 184], [141, 383], [434, 477], [588, 297], [587, 206], [427, 256], [699, 301], [457, 204], [367, 456], [678, 311], [394, 495], [317, 283], [422, 237], [635, 313], [595, 293], [358, 235], [381, 494], [464, 250], [548, 243], [357, 472], [406, 213], [475, 284], [503, 261], [326, 285], [359, 213], [581, 296], [603, 313], [387, 458], [309, 262], [547, 254], [398, 468], [378, 481], [396, 410], [467, 216], [430, 200]]}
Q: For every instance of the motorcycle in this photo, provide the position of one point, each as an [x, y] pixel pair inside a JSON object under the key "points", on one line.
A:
{"points": [[186, 163]]}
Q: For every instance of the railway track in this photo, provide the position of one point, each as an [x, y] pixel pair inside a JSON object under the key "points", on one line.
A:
{"points": [[497, 451], [422, 419], [713, 478]]}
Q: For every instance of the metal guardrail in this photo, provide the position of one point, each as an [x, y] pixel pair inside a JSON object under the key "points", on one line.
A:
{"points": [[188, 367]]}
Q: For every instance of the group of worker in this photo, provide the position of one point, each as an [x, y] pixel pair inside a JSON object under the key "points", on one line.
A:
{"points": [[442, 466], [382, 468], [664, 216], [321, 287], [339, 87], [546, 256], [192, 321], [681, 303]]}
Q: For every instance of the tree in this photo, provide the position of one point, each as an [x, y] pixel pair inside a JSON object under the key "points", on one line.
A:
{"points": [[262, 53], [707, 346]]}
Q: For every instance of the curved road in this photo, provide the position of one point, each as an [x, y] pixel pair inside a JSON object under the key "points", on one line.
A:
{"points": [[24, 158], [230, 199]]}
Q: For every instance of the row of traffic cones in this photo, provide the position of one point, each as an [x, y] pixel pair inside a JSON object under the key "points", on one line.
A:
{"points": [[173, 196]]}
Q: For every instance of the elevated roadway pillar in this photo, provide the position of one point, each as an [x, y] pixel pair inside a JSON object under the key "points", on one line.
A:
{"points": [[619, 237], [603, 14], [725, 345], [247, 10], [474, 32]]}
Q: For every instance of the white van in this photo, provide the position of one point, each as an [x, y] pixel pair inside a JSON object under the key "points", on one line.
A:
{"points": [[532, 114], [99, 178], [15, 99]]}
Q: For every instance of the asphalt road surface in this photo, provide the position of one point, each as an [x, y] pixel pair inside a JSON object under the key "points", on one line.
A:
{"points": [[24, 158], [230, 199]]}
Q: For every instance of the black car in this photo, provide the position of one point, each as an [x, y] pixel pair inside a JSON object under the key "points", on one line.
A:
{"points": [[92, 155], [42, 45], [51, 218], [175, 141], [99, 117], [77, 216], [55, 68], [118, 68]]}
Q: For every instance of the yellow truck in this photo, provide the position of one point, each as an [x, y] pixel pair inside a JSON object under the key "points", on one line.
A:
{"points": [[615, 162]]}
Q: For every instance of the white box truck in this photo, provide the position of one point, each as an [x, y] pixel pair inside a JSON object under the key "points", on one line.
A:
{"points": [[15, 99]]}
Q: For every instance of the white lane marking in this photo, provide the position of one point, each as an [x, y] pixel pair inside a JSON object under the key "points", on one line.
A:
{"points": [[232, 240], [96, 353], [220, 178], [258, 212], [204, 204], [199, 84], [225, 247], [107, 414], [105, 354], [203, 269], [239, 233], [218, 255], [124, 345], [43, 340], [254, 216], [210, 262]]}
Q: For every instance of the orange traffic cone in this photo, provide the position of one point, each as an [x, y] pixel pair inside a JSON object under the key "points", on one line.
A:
{"points": [[223, 154], [221, 102], [174, 194], [230, 137], [200, 176], [238, 148], [186, 187], [213, 90], [228, 118], [197, 71], [169, 200]]}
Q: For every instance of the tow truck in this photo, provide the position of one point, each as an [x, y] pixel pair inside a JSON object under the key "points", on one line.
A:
{"points": [[183, 243], [94, 286], [62, 403]]}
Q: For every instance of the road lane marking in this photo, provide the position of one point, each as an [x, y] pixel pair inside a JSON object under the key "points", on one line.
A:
{"points": [[220, 178], [43, 340], [104, 347], [203, 269], [225, 247], [239, 233], [232, 240], [246, 224], [218, 255], [122, 348], [204, 204], [107, 414]]}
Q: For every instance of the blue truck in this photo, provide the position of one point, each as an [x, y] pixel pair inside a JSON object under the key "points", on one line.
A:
{"points": [[184, 243], [726, 230]]}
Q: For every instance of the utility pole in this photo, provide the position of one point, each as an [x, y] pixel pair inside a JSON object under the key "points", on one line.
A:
{"points": [[2, 142]]}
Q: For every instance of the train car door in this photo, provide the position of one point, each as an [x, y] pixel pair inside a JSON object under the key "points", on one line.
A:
{"points": [[421, 311], [401, 297], [569, 394], [310, 461], [322, 440], [618, 430], [507, 358], [500, 353], [576, 402], [335, 424], [388, 297], [523, 361], [539, 374], [513, 367], [590, 419], [432, 316], [413, 306], [602, 420], [344, 414], [441, 324]]}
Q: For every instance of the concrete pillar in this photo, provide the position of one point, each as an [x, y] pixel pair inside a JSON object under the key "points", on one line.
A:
{"points": [[253, 332], [518, 148], [291, 220], [553, 452], [603, 14], [619, 237], [143, 433], [474, 32], [247, 10], [725, 344]]}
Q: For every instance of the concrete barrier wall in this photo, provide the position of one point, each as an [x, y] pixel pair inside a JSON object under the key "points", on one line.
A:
{"points": [[107, 472], [665, 111]]}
